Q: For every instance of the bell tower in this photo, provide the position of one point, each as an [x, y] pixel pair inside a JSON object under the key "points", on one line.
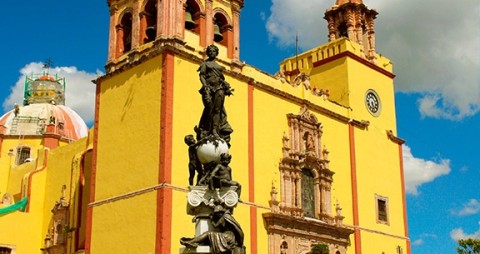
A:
{"points": [[353, 20], [138, 27]]}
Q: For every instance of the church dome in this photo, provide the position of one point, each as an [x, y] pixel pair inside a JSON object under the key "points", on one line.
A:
{"points": [[32, 120], [44, 100]]}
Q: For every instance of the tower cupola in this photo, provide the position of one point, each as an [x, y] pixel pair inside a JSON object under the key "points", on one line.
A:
{"points": [[353, 20], [44, 88]]}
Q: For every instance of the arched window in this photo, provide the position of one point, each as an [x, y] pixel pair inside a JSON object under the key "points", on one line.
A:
{"points": [[148, 22], [308, 193], [221, 29], [124, 34], [192, 16]]}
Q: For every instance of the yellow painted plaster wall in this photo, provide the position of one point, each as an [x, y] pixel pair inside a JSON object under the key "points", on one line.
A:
{"points": [[9, 179], [23, 229], [128, 159], [63, 168]]}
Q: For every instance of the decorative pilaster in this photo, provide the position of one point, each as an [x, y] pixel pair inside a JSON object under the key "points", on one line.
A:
{"points": [[209, 21], [136, 24], [112, 41], [236, 33]]}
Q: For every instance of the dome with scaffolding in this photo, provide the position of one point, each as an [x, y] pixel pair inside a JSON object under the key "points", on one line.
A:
{"points": [[44, 99]]}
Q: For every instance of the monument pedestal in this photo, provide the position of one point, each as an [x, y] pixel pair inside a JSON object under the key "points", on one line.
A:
{"points": [[197, 250], [201, 204]]}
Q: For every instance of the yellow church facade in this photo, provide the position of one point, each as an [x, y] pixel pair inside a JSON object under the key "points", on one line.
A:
{"points": [[314, 146]]}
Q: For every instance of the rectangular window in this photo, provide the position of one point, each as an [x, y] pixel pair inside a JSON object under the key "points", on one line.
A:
{"points": [[5, 250], [381, 204], [23, 153]]}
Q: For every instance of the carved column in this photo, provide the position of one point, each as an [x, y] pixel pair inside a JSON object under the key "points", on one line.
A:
{"points": [[331, 29], [112, 41], [236, 33], [136, 24], [350, 25], [358, 25], [209, 21], [328, 198], [288, 189], [179, 20], [298, 190], [120, 32], [143, 27], [316, 186], [229, 30], [162, 17], [323, 197], [371, 36], [283, 180], [293, 190], [202, 20]]}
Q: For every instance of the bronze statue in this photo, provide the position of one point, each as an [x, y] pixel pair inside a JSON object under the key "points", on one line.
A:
{"points": [[214, 89], [221, 175], [212, 200], [226, 239]]}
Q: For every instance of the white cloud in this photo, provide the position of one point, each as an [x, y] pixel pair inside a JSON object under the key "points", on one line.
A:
{"points": [[434, 44], [470, 208], [458, 233], [80, 91], [423, 237], [420, 171], [418, 242]]}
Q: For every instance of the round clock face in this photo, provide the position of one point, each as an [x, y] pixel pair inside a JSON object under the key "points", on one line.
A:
{"points": [[372, 101]]}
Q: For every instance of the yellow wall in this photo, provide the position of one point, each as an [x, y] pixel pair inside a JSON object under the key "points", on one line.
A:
{"points": [[128, 160], [30, 228], [8, 182]]}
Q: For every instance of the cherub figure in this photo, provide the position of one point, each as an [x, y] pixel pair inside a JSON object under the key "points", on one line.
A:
{"points": [[221, 175], [193, 163]]}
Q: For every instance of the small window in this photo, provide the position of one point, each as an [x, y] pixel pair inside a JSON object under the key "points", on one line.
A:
{"points": [[23, 154], [5, 250], [382, 209]]}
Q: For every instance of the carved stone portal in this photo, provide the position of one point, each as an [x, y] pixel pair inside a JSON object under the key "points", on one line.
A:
{"points": [[303, 216]]}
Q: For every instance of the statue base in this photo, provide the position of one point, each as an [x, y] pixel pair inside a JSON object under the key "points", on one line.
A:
{"points": [[202, 203], [202, 200], [197, 250]]}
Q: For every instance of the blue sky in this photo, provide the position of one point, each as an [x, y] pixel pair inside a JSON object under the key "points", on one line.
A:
{"points": [[434, 44]]}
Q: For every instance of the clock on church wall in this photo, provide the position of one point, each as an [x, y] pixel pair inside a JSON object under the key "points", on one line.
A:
{"points": [[372, 101]]}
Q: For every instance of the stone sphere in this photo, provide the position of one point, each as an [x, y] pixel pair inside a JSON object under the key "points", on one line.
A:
{"points": [[210, 151]]}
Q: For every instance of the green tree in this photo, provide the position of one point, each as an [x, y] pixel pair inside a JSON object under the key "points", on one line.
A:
{"points": [[320, 249], [468, 246]]}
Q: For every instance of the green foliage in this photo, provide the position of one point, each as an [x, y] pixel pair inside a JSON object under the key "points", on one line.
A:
{"points": [[468, 246], [320, 249]]}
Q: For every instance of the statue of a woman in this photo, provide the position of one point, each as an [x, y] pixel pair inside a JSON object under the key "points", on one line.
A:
{"points": [[213, 91]]}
